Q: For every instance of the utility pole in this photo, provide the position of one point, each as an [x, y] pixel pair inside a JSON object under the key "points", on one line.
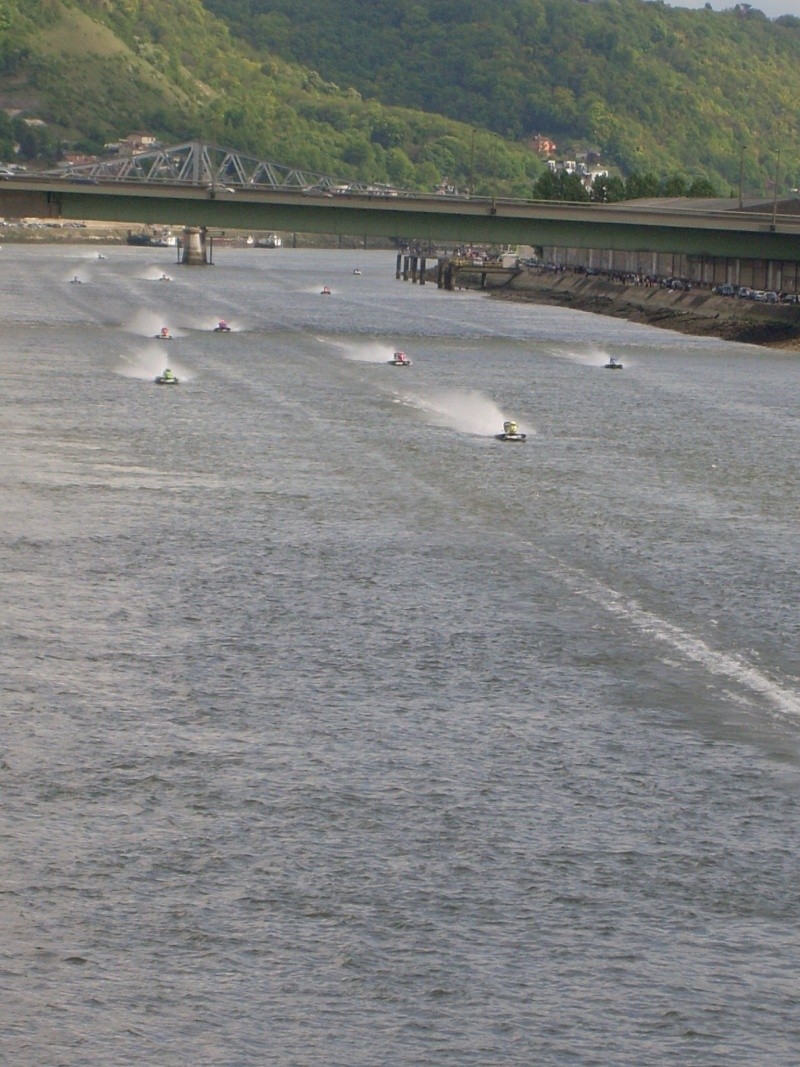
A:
{"points": [[472, 163], [775, 191], [741, 175]]}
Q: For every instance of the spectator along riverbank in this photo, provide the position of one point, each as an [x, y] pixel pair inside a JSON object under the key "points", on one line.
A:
{"points": [[698, 311]]}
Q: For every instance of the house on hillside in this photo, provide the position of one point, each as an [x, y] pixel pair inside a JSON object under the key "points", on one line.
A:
{"points": [[542, 145], [586, 173], [562, 166], [78, 159], [137, 142]]}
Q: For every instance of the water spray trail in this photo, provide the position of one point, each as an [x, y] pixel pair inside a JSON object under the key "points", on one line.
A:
{"points": [[460, 409], [148, 323], [725, 664], [364, 351], [149, 362]]}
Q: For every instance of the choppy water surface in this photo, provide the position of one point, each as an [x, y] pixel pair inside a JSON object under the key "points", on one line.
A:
{"points": [[335, 731]]}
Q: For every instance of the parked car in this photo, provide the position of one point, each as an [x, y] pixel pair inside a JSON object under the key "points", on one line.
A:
{"points": [[726, 290]]}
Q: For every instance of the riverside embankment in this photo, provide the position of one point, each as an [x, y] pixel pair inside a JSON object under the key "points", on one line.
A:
{"points": [[698, 311]]}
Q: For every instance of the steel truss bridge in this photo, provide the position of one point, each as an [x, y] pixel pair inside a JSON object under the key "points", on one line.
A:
{"points": [[198, 163], [196, 184]]}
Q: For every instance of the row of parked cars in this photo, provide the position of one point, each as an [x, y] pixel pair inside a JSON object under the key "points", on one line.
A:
{"points": [[768, 296]]}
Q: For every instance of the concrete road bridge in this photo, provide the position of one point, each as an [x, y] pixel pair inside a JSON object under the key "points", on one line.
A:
{"points": [[199, 185]]}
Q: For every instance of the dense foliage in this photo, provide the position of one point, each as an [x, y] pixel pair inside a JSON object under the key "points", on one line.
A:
{"points": [[96, 70], [651, 87], [700, 99]]}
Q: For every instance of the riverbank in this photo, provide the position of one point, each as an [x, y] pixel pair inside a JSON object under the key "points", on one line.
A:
{"points": [[698, 312]]}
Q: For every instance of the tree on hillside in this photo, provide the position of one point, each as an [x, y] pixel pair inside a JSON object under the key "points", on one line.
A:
{"points": [[559, 186], [702, 187], [7, 138], [37, 142], [608, 190], [638, 186]]}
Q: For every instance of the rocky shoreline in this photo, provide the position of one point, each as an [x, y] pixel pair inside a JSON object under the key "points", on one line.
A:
{"points": [[699, 311]]}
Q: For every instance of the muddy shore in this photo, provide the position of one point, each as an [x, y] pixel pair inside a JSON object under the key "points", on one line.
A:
{"points": [[698, 312]]}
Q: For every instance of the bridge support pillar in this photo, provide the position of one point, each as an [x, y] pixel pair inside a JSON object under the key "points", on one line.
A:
{"points": [[422, 269], [194, 247], [397, 269], [405, 268]]}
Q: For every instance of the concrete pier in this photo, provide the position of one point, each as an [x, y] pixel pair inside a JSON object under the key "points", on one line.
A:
{"points": [[194, 247]]}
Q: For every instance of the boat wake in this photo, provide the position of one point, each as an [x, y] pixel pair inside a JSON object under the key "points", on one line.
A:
{"points": [[589, 356], [156, 274], [732, 667], [149, 362], [149, 323], [365, 351], [459, 409]]}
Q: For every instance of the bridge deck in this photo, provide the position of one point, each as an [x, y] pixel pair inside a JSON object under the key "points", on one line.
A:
{"points": [[736, 234]]}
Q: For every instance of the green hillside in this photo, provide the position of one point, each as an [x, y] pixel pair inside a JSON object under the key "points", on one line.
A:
{"points": [[96, 70], [650, 87], [414, 94]]}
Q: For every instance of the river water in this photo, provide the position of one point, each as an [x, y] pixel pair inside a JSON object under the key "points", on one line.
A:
{"points": [[337, 733]]}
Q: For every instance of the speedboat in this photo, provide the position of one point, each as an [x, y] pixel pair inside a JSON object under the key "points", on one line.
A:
{"points": [[400, 359], [511, 432], [165, 335], [165, 278], [325, 291], [167, 378], [222, 327], [613, 364], [357, 271], [76, 280]]}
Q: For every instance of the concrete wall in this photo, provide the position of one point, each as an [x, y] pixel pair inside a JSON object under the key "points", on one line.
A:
{"points": [[701, 270]]}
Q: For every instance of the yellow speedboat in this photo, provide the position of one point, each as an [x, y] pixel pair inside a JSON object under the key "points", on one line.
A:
{"points": [[511, 432]]}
